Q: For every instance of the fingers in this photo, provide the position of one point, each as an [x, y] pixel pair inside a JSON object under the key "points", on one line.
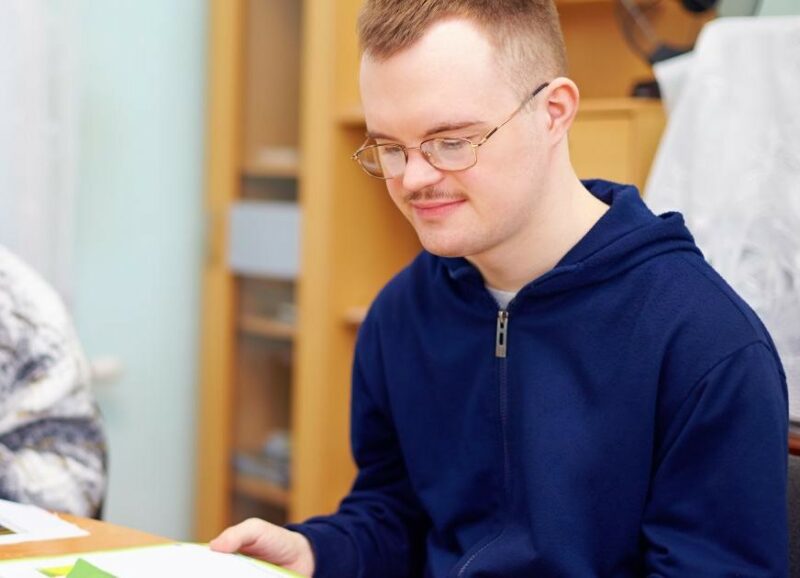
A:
{"points": [[268, 542], [241, 536]]}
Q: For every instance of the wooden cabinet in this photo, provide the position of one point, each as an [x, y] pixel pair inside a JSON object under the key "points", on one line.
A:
{"points": [[616, 139], [249, 316], [353, 238]]}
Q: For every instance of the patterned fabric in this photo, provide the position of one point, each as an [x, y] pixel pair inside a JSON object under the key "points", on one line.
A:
{"points": [[52, 448]]}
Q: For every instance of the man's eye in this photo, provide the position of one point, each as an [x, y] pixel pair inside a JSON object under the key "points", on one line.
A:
{"points": [[451, 144], [391, 150]]}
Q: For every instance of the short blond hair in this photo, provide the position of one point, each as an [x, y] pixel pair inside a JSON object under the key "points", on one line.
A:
{"points": [[525, 33]]}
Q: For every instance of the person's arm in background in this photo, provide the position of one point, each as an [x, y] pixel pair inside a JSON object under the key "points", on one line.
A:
{"points": [[717, 504], [52, 447]]}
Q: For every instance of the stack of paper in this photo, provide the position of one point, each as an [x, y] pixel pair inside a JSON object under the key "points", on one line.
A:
{"points": [[24, 523], [167, 561]]}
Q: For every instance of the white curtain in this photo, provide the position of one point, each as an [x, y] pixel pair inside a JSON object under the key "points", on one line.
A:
{"points": [[730, 162], [38, 135]]}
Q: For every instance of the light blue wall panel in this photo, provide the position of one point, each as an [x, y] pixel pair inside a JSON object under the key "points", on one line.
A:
{"points": [[780, 7], [139, 240]]}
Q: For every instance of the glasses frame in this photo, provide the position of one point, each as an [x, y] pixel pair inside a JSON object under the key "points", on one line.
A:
{"points": [[475, 145]]}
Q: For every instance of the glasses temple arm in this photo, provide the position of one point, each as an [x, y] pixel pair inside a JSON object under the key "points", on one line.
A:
{"points": [[486, 137]]}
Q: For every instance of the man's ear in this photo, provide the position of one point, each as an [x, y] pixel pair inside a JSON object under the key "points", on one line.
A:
{"points": [[562, 106]]}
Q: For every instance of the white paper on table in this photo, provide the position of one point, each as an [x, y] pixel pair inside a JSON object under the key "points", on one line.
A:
{"points": [[26, 523], [167, 561]]}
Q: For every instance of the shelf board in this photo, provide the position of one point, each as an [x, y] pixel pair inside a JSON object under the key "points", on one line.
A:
{"points": [[621, 104], [271, 170], [258, 489], [355, 316], [353, 117], [260, 326], [279, 162]]}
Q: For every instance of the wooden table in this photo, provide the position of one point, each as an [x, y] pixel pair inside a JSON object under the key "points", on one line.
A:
{"points": [[794, 441], [102, 536]]}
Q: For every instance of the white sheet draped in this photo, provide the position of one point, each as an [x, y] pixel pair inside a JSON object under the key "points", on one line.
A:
{"points": [[729, 160]]}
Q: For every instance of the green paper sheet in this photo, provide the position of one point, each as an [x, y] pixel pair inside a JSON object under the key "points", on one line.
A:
{"points": [[82, 569]]}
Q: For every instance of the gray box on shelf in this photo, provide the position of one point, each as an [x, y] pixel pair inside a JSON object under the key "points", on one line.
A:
{"points": [[271, 464], [265, 239], [261, 467]]}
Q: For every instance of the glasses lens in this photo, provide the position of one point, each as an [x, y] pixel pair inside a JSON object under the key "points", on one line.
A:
{"points": [[383, 161], [449, 154], [392, 160]]}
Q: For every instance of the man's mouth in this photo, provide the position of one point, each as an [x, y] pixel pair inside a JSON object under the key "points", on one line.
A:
{"points": [[436, 208]]}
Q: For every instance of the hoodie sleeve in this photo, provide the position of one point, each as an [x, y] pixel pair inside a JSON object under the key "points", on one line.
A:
{"points": [[379, 528], [717, 504]]}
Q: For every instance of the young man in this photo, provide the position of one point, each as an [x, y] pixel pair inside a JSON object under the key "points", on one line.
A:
{"points": [[559, 385], [52, 446]]}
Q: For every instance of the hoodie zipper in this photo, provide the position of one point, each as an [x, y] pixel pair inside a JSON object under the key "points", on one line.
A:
{"points": [[501, 337], [500, 352]]}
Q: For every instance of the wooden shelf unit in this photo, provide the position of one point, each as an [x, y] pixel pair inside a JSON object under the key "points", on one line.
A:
{"points": [[247, 371], [353, 238]]}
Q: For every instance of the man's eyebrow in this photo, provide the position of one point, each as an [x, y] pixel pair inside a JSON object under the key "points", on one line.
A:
{"points": [[376, 135], [439, 128], [451, 126]]}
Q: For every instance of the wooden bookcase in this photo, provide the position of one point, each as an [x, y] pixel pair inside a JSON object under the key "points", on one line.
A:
{"points": [[353, 238], [249, 332]]}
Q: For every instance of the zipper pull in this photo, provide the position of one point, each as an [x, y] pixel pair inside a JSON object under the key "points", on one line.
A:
{"points": [[501, 339]]}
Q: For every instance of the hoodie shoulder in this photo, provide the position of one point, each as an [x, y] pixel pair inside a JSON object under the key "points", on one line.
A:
{"points": [[717, 307], [698, 320]]}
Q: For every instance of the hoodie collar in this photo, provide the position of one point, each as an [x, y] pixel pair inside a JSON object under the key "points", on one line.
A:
{"points": [[626, 235]]}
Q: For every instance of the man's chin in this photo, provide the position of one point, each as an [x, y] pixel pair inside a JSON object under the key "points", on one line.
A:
{"points": [[444, 249]]}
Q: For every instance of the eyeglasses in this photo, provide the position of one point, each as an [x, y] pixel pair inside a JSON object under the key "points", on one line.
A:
{"points": [[389, 160]]}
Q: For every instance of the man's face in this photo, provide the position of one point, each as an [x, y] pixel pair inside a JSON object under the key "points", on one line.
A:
{"points": [[449, 84]]}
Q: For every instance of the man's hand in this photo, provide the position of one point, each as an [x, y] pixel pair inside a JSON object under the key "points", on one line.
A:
{"points": [[268, 542]]}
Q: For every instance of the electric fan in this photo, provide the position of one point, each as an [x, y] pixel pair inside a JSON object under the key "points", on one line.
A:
{"points": [[660, 29]]}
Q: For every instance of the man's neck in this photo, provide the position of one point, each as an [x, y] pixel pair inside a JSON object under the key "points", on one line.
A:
{"points": [[564, 218]]}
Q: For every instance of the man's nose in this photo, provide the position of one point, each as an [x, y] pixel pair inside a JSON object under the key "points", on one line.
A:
{"points": [[419, 172]]}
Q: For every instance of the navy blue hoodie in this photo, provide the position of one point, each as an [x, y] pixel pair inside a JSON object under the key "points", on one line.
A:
{"points": [[627, 418]]}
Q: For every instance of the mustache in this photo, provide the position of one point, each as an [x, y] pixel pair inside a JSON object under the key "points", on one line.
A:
{"points": [[432, 194]]}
